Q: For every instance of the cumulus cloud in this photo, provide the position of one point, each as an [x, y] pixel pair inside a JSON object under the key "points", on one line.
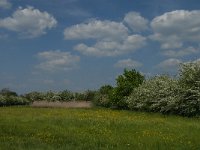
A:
{"points": [[5, 4], [173, 29], [96, 29], [169, 65], [29, 22], [110, 38], [112, 48], [136, 22], [128, 63], [183, 52], [57, 61]]}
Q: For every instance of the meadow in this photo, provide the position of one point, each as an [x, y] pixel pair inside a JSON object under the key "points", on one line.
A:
{"points": [[25, 128]]}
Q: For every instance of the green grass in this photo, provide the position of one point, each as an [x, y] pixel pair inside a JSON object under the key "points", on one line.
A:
{"points": [[57, 128]]}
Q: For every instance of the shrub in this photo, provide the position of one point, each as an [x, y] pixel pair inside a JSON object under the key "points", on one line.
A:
{"points": [[66, 95], [102, 97], [2, 100], [79, 96], [159, 94], [13, 100], [48, 96], [166, 95], [35, 96], [89, 95], [190, 86], [8, 98]]}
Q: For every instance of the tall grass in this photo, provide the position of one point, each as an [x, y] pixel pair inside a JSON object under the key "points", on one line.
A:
{"points": [[47, 128]]}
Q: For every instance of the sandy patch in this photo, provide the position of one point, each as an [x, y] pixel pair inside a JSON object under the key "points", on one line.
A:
{"points": [[79, 104]]}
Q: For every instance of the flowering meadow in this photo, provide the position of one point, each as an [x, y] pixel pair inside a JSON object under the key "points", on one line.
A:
{"points": [[27, 128]]}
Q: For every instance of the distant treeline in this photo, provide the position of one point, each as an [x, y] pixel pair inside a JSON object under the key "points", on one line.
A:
{"points": [[162, 93]]}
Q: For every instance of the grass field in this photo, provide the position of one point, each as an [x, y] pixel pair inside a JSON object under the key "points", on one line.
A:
{"points": [[59, 128]]}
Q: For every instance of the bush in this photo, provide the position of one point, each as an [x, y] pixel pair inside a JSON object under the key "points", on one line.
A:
{"points": [[89, 95], [102, 97], [159, 94], [166, 95], [79, 96], [66, 95], [35, 96], [8, 98], [190, 86], [48, 96], [13, 100]]}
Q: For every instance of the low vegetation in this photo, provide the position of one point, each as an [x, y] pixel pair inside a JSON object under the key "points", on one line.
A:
{"points": [[9, 98], [27, 128]]}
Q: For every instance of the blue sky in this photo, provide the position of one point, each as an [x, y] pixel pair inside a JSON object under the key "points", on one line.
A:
{"points": [[84, 44]]}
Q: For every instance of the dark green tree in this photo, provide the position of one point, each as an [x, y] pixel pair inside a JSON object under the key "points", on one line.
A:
{"points": [[105, 89], [7, 92], [126, 82]]}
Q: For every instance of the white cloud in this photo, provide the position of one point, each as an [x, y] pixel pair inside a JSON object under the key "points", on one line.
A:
{"points": [[128, 63], [5, 4], [169, 65], [173, 29], [112, 48], [96, 29], [57, 61], [29, 22], [110, 38], [180, 53], [136, 22]]}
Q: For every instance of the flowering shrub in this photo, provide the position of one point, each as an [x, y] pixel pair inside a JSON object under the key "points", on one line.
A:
{"points": [[8, 98], [190, 86], [166, 95], [13, 100], [158, 94]]}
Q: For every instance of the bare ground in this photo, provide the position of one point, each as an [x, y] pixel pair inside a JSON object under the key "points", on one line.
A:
{"points": [[74, 104]]}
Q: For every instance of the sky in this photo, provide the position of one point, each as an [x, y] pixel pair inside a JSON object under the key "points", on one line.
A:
{"points": [[84, 44]]}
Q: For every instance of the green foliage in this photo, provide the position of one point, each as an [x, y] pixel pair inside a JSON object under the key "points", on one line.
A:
{"points": [[7, 92], [126, 82], [102, 97], [48, 95], [35, 96], [9, 98], [105, 89], [66, 95], [89, 95], [61, 96], [79, 96]]}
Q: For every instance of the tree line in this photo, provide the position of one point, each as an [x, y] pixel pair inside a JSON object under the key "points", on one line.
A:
{"points": [[161, 93]]}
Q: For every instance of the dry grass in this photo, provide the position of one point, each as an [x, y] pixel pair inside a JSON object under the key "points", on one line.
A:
{"points": [[57, 104]]}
